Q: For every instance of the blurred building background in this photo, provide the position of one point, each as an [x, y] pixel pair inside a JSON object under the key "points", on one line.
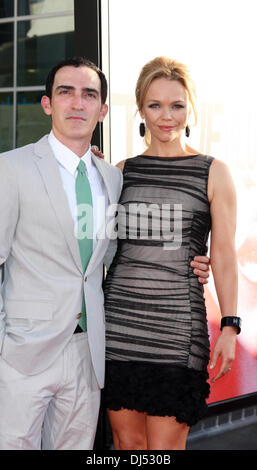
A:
{"points": [[34, 35]]}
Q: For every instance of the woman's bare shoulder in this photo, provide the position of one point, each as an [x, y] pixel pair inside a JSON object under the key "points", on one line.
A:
{"points": [[219, 171], [121, 164], [220, 179]]}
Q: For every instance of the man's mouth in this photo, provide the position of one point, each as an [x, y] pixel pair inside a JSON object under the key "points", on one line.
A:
{"points": [[76, 118]]}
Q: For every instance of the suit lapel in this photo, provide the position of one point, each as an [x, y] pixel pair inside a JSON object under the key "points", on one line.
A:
{"points": [[49, 170], [101, 234], [103, 172]]}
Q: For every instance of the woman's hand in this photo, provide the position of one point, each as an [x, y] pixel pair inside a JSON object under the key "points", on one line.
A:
{"points": [[225, 349], [97, 152], [201, 265]]}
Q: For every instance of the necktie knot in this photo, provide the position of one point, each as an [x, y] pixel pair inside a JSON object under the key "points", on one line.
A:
{"points": [[81, 167]]}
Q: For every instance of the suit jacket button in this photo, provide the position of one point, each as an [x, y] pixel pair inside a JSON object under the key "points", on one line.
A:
{"points": [[79, 316], [85, 279]]}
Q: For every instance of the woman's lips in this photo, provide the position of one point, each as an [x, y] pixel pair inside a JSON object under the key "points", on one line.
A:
{"points": [[166, 128]]}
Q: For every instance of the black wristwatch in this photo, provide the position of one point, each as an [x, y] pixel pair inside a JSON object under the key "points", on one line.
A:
{"points": [[231, 321]]}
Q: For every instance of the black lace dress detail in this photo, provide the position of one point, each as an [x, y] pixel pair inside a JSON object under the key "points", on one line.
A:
{"points": [[157, 345]]}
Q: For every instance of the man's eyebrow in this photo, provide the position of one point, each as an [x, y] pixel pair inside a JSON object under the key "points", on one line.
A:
{"points": [[69, 87], [66, 87], [91, 90]]}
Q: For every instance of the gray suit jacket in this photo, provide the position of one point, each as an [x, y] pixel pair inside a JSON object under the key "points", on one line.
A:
{"points": [[42, 290]]}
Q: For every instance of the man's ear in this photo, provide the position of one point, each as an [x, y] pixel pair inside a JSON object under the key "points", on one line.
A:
{"points": [[46, 105], [103, 112]]}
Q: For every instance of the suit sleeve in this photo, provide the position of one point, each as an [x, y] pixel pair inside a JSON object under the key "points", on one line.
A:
{"points": [[9, 209]]}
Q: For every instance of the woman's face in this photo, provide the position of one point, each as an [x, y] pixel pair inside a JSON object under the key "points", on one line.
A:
{"points": [[165, 109]]}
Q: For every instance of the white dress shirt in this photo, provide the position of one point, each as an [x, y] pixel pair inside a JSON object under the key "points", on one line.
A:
{"points": [[68, 162]]}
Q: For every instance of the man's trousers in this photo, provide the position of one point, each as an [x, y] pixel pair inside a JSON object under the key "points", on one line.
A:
{"points": [[56, 409]]}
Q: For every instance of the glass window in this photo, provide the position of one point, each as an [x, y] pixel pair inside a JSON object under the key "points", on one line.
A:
{"points": [[6, 8], [32, 122], [39, 7], [6, 121], [41, 44], [6, 55]]}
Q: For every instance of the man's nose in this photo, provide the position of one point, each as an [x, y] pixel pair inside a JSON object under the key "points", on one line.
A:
{"points": [[77, 102]]}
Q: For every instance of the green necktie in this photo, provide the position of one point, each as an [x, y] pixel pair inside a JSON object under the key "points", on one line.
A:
{"points": [[85, 226]]}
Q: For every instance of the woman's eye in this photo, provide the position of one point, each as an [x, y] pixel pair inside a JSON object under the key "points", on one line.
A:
{"points": [[154, 105]]}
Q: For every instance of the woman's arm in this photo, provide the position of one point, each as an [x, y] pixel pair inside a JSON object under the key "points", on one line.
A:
{"points": [[222, 197]]}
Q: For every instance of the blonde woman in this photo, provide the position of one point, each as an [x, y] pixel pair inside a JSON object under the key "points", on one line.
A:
{"points": [[157, 338]]}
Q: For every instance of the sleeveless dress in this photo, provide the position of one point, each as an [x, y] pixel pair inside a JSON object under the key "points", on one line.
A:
{"points": [[157, 344]]}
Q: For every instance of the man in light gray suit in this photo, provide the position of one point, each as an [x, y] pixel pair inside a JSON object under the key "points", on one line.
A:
{"points": [[51, 370], [51, 367]]}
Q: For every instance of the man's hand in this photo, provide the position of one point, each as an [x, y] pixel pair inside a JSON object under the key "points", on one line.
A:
{"points": [[97, 152], [201, 268]]}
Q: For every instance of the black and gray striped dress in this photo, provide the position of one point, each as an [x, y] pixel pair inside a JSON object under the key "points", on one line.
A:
{"points": [[157, 345]]}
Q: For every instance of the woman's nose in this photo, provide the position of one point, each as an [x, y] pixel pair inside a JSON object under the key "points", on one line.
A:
{"points": [[167, 113]]}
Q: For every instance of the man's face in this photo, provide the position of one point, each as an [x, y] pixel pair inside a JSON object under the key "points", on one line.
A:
{"points": [[75, 106]]}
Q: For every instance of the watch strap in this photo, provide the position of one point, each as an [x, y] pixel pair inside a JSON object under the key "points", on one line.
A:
{"points": [[231, 321]]}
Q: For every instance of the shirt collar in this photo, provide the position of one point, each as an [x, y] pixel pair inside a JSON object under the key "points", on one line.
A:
{"points": [[67, 158]]}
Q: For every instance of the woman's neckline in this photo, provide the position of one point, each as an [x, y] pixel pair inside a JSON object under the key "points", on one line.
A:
{"points": [[170, 158]]}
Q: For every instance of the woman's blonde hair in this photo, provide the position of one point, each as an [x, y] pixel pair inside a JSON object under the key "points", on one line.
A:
{"points": [[164, 67]]}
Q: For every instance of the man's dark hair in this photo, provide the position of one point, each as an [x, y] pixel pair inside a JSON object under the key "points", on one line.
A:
{"points": [[76, 62]]}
